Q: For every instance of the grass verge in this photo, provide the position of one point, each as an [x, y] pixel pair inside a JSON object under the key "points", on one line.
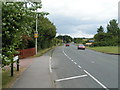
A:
{"points": [[8, 81], [106, 49], [41, 52]]}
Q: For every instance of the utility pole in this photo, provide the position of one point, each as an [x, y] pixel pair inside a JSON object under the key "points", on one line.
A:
{"points": [[119, 14], [36, 33]]}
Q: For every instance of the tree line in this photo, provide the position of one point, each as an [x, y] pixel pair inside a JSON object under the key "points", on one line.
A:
{"points": [[19, 25], [110, 37], [65, 38]]}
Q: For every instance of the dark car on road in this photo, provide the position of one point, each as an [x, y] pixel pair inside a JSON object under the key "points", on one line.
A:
{"points": [[67, 45], [81, 46]]}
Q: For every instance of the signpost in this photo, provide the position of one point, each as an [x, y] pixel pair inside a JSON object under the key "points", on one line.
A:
{"points": [[15, 59]]}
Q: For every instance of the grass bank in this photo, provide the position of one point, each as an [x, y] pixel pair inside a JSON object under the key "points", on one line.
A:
{"points": [[41, 52], [106, 49]]}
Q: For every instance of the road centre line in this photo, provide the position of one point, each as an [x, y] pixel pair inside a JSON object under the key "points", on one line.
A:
{"points": [[71, 59], [96, 80], [70, 78], [90, 76], [75, 62], [50, 68], [79, 66]]}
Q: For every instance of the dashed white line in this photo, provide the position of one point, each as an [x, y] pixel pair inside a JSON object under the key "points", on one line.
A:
{"points": [[96, 80], [70, 78], [75, 62], [85, 75], [72, 60], [69, 57], [79, 66]]}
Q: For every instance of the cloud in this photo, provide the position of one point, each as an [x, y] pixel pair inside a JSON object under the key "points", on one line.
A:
{"points": [[86, 15]]}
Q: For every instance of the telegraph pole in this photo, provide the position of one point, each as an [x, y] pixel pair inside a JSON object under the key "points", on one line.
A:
{"points": [[119, 14], [36, 32]]}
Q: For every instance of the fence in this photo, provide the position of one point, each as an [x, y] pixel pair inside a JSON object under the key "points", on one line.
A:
{"points": [[26, 52]]}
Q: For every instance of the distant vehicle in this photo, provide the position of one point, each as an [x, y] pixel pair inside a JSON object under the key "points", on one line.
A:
{"points": [[67, 45], [81, 46]]}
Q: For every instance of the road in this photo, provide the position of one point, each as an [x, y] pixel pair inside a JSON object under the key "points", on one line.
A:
{"points": [[72, 68]]}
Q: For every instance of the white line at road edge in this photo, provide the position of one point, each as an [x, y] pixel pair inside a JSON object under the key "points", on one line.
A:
{"points": [[70, 78], [96, 80], [50, 65]]}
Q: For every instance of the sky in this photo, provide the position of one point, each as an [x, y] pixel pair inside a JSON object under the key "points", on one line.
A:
{"points": [[80, 18]]}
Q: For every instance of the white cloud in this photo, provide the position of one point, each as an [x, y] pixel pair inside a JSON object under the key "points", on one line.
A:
{"points": [[81, 34], [98, 11]]}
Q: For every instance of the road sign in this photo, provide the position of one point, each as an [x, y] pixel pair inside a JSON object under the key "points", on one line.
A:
{"points": [[15, 58], [35, 34]]}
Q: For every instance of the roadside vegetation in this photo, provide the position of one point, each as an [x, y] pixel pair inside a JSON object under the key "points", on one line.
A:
{"points": [[107, 42], [8, 81], [18, 27], [110, 37], [106, 49], [103, 41], [65, 38]]}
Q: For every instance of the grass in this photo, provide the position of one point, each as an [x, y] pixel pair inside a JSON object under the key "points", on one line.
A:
{"points": [[106, 49], [7, 80], [0, 78], [41, 52]]}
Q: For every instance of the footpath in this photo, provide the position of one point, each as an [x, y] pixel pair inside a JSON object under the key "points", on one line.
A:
{"points": [[37, 73]]}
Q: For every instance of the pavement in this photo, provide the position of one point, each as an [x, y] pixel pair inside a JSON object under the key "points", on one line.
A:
{"points": [[37, 73]]}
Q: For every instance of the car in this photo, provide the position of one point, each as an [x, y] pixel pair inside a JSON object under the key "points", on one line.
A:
{"points": [[67, 45], [81, 46]]}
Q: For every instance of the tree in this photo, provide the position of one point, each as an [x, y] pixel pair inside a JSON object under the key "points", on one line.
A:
{"points": [[100, 29], [65, 38], [110, 38], [113, 28], [19, 24], [17, 21]]}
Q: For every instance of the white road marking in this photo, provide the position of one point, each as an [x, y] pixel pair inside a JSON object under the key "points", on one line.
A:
{"points": [[75, 62], [69, 57], [92, 61], [66, 55], [70, 78], [50, 65], [96, 80], [72, 60], [79, 66], [87, 73]]}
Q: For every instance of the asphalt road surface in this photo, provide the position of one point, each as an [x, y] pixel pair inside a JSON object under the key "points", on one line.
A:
{"points": [[73, 68]]}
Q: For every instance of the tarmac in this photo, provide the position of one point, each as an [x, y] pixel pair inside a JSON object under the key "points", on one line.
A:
{"points": [[37, 73]]}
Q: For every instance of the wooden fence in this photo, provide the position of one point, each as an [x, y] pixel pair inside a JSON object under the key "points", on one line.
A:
{"points": [[26, 52]]}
